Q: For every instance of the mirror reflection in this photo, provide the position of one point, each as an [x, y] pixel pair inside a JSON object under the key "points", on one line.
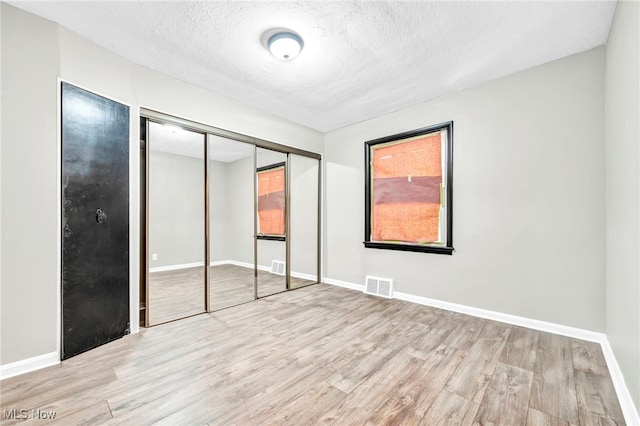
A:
{"points": [[304, 220], [220, 216], [230, 176], [270, 178], [176, 285]]}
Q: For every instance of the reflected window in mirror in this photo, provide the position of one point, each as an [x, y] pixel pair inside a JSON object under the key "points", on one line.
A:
{"points": [[271, 202]]}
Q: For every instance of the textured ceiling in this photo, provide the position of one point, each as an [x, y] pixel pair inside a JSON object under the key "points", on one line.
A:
{"points": [[360, 59]]}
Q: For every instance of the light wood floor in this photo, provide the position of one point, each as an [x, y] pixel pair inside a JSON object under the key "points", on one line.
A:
{"points": [[326, 355], [180, 293]]}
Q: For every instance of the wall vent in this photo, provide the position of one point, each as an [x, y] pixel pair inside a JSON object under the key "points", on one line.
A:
{"points": [[277, 267], [379, 286]]}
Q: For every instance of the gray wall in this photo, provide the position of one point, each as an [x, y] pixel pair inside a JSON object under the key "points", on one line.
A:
{"points": [[219, 213], [623, 193], [35, 52], [176, 209], [30, 204], [528, 219]]}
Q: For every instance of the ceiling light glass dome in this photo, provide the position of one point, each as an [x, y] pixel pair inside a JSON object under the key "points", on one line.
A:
{"points": [[285, 45]]}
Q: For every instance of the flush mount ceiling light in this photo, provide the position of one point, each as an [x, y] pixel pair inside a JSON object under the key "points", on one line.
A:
{"points": [[285, 45]]}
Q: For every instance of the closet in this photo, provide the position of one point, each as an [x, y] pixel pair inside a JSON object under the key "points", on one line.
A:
{"points": [[227, 218]]}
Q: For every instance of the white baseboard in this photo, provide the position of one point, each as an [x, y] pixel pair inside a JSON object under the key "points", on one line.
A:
{"points": [[624, 397], [549, 327], [176, 267], [29, 364], [303, 276], [344, 284]]}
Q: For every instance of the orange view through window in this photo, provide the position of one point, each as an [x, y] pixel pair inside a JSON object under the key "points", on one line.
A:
{"points": [[406, 181], [271, 201]]}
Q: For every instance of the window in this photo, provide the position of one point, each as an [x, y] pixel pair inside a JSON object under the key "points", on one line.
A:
{"points": [[409, 192], [271, 202]]}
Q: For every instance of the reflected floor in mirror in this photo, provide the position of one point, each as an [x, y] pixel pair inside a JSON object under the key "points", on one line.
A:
{"points": [[180, 293], [269, 283], [175, 294], [300, 282], [232, 285]]}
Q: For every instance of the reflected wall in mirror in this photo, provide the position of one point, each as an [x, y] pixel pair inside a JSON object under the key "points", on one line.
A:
{"points": [[176, 209], [304, 220], [270, 178], [231, 254]]}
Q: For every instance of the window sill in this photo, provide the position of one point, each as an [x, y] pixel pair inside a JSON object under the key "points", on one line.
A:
{"points": [[409, 247], [270, 237]]}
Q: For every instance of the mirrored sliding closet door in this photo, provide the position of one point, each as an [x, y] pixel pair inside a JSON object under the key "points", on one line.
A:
{"points": [[226, 218], [176, 223], [231, 251], [304, 229]]}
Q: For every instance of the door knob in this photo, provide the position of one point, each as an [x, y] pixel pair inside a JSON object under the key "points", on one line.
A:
{"points": [[100, 216]]}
